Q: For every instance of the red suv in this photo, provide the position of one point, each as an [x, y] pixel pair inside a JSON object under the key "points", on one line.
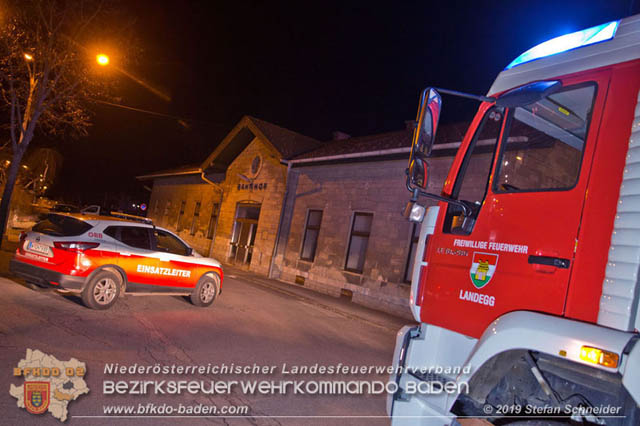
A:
{"points": [[102, 257]]}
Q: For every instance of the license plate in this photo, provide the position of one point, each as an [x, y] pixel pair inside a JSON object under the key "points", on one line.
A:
{"points": [[38, 248]]}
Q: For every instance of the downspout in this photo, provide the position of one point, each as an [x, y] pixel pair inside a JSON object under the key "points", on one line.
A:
{"points": [[217, 186], [282, 209]]}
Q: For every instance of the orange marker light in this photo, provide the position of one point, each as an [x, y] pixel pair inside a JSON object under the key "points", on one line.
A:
{"points": [[599, 356]]}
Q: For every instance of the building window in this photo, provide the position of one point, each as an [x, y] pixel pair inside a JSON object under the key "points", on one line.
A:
{"points": [[413, 245], [179, 224], [358, 240], [213, 221], [310, 240], [196, 218]]}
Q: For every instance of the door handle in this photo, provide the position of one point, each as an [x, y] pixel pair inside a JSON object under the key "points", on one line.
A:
{"points": [[555, 262]]}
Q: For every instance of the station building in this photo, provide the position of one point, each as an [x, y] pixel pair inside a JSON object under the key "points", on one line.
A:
{"points": [[325, 215]]}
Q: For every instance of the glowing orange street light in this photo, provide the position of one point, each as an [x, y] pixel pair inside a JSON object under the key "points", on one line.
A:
{"points": [[28, 57], [102, 59]]}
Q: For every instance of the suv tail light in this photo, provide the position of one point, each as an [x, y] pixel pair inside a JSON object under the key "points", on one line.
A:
{"points": [[75, 245]]}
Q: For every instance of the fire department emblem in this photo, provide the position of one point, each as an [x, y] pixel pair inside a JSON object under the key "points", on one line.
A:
{"points": [[482, 268], [36, 397]]}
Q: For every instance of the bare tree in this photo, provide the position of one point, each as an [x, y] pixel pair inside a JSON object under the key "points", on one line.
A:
{"points": [[40, 168], [48, 72]]}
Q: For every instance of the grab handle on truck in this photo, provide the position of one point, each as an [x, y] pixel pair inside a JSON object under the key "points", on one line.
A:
{"points": [[550, 261]]}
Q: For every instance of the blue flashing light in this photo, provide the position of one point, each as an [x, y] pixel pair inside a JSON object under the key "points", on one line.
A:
{"points": [[566, 42]]}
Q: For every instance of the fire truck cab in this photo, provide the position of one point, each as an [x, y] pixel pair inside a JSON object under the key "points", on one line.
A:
{"points": [[525, 281]]}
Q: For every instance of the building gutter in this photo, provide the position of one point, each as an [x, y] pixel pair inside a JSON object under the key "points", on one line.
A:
{"points": [[352, 155], [218, 187], [382, 152], [282, 210]]}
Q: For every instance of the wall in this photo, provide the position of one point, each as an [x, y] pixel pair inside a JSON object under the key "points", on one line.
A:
{"points": [[164, 207], [273, 174], [340, 190]]}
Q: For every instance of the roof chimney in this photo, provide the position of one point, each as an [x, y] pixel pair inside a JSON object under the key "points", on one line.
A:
{"points": [[338, 135]]}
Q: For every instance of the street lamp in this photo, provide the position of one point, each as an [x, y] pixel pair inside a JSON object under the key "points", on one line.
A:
{"points": [[102, 59], [28, 57]]}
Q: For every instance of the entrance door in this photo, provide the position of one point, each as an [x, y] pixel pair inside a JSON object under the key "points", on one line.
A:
{"points": [[527, 198], [244, 233]]}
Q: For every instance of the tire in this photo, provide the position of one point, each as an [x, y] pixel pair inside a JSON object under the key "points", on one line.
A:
{"points": [[102, 291], [206, 291]]}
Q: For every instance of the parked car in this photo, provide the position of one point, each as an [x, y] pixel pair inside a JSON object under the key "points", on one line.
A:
{"points": [[65, 208], [92, 209], [103, 257]]}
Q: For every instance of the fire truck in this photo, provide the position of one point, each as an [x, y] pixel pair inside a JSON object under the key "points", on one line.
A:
{"points": [[526, 277]]}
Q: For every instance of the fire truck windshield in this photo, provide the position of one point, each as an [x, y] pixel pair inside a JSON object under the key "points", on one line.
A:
{"points": [[545, 141]]}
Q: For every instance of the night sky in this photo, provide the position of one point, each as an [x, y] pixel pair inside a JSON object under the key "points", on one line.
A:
{"points": [[312, 67]]}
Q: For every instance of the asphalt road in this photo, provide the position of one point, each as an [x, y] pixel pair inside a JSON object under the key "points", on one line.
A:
{"points": [[254, 321]]}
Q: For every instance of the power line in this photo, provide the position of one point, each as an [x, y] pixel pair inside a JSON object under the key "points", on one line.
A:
{"points": [[184, 122]]}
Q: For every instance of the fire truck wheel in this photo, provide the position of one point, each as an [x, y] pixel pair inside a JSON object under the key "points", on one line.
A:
{"points": [[102, 291], [206, 290]]}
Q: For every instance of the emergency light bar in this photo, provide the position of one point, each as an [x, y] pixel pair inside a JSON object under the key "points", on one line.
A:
{"points": [[566, 42]]}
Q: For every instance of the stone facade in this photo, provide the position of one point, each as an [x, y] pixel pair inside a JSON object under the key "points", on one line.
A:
{"points": [[340, 191], [222, 200], [249, 200], [166, 200], [238, 191]]}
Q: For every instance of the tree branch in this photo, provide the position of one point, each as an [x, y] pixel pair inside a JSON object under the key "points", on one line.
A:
{"points": [[89, 20]]}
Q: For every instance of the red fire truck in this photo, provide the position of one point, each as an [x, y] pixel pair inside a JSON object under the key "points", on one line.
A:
{"points": [[526, 280]]}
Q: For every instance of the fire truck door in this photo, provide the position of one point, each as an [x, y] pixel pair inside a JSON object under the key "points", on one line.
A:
{"points": [[525, 175]]}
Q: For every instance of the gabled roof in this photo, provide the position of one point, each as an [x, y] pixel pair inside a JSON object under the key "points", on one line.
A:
{"points": [[380, 142], [285, 142]]}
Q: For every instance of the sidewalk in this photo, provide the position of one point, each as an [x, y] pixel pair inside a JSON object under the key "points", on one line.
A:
{"points": [[340, 306]]}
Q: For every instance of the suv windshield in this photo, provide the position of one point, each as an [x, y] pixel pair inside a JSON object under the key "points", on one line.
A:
{"points": [[61, 226]]}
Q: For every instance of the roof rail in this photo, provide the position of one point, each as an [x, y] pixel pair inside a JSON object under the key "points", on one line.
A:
{"points": [[132, 217]]}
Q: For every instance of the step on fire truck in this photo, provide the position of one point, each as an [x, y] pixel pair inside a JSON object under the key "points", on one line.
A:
{"points": [[526, 280]]}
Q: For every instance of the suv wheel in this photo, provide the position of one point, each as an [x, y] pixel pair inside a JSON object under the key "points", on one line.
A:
{"points": [[206, 290], [102, 291]]}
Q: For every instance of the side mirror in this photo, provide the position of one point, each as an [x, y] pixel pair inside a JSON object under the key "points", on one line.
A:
{"points": [[189, 251], [428, 117], [418, 172], [424, 137]]}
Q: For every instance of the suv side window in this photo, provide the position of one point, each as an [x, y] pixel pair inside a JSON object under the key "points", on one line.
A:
{"points": [[135, 236], [169, 243], [112, 231]]}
